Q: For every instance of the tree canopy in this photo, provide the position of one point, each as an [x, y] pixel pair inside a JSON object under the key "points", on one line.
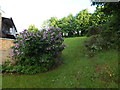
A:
{"points": [[32, 28], [78, 25]]}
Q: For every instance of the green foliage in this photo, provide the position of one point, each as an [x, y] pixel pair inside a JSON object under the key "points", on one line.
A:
{"points": [[32, 28], [53, 22], [109, 8], [94, 30], [68, 25], [82, 21], [7, 67], [110, 35], [36, 51], [71, 24], [99, 17], [45, 24], [78, 25], [101, 42]]}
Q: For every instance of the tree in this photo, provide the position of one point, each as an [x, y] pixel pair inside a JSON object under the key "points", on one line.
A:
{"points": [[78, 23], [82, 21], [112, 31], [67, 24], [98, 17], [45, 24], [32, 28], [53, 21], [112, 9], [71, 25], [109, 8]]}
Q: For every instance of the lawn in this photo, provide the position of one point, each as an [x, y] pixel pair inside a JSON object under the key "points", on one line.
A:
{"points": [[78, 71]]}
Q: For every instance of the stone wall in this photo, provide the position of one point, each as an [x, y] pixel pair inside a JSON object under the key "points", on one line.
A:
{"points": [[5, 49]]}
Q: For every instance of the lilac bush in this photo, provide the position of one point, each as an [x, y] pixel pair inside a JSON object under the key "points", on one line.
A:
{"points": [[38, 48]]}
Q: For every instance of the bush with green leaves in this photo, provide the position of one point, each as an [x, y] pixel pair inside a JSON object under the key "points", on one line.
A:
{"points": [[36, 51], [94, 30], [101, 42]]}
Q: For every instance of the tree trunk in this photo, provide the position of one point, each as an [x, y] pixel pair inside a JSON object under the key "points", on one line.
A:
{"points": [[77, 32], [82, 32]]}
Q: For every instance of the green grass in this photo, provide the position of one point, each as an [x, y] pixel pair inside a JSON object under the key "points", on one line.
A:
{"points": [[78, 71]]}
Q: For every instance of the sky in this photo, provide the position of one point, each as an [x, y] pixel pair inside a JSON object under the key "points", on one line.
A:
{"points": [[29, 12]]}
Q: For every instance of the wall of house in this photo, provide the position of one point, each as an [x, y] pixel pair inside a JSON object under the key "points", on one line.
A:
{"points": [[5, 49], [0, 21], [0, 25]]}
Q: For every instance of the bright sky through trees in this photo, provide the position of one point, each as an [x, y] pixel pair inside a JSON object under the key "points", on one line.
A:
{"points": [[27, 12]]}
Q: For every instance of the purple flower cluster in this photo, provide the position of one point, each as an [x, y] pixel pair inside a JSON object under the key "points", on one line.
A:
{"points": [[45, 35], [49, 40]]}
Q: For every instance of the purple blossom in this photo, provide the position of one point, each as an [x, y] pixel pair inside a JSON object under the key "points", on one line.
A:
{"points": [[60, 34], [63, 45], [27, 39], [59, 29], [16, 47], [25, 31], [49, 29], [18, 53], [53, 28], [62, 39], [45, 34], [44, 38], [60, 42], [57, 36], [49, 48], [31, 34], [21, 32], [54, 39], [17, 35], [12, 55], [25, 35], [16, 44], [12, 50], [38, 35], [21, 41], [53, 33], [16, 40]]}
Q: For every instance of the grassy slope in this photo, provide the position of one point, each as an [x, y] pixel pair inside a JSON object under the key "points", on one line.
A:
{"points": [[77, 71]]}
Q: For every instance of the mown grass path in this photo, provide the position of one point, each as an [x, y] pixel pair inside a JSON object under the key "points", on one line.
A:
{"points": [[78, 71]]}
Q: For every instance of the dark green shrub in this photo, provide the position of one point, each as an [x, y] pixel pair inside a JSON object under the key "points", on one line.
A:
{"points": [[101, 42], [94, 30]]}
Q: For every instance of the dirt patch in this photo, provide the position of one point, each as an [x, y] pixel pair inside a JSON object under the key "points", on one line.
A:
{"points": [[106, 73]]}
